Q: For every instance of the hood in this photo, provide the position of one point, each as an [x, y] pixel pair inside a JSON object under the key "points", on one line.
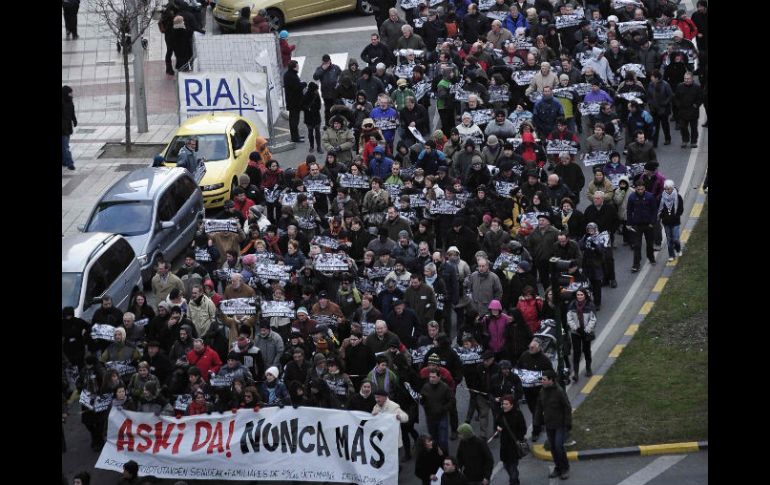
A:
{"points": [[597, 52], [465, 431], [352, 61], [65, 91], [545, 14]]}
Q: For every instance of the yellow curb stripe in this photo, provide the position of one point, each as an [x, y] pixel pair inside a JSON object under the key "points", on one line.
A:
{"points": [[646, 307], [688, 447], [659, 285], [685, 236], [539, 451], [696, 209], [617, 350], [700, 190], [672, 263], [632, 329], [592, 382]]}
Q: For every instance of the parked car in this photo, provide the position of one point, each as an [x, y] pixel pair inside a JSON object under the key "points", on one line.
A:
{"points": [[155, 209], [225, 141], [94, 264], [282, 12]]}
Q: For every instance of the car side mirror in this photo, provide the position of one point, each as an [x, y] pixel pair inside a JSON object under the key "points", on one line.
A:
{"points": [[158, 160], [166, 225]]}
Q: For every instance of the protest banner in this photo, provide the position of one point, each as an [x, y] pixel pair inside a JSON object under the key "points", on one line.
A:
{"points": [[530, 217], [529, 378], [306, 222], [419, 354], [503, 189], [351, 181], [182, 402], [325, 242], [221, 225], [331, 262], [277, 309], [403, 71], [348, 102], [601, 239], [440, 298], [499, 93], [510, 260], [268, 271], [103, 332], [495, 15], [365, 285], [582, 88], [485, 5], [239, 306], [418, 22], [587, 109], [637, 69], [555, 147], [378, 272], [271, 195], [394, 190], [290, 198], [624, 27], [620, 4], [631, 96], [523, 78], [202, 255], [421, 89], [330, 321], [142, 323], [443, 206], [367, 328], [469, 356], [124, 367], [417, 200], [566, 21], [482, 116], [614, 178], [596, 158], [417, 136], [664, 32], [320, 186]]}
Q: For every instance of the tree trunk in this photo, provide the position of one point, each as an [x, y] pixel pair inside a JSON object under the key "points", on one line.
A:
{"points": [[128, 95]]}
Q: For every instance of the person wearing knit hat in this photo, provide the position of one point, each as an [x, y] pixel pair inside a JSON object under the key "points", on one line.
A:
{"points": [[271, 370], [474, 456], [273, 391], [302, 310], [492, 140]]}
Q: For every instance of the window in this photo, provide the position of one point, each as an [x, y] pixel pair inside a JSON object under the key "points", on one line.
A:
{"points": [[167, 207], [127, 218], [70, 289], [211, 147], [115, 260], [241, 130], [183, 188], [96, 285]]}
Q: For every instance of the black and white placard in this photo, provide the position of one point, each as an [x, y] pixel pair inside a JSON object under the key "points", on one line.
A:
{"points": [[523, 78], [239, 306], [331, 262], [277, 309], [221, 225], [319, 186], [596, 158]]}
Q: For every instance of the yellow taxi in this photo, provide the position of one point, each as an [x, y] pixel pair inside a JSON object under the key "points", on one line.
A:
{"points": [[282, 12], [225, 141]]}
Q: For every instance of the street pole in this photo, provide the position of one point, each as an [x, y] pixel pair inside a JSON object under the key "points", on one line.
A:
{"points": [[140, 98]]}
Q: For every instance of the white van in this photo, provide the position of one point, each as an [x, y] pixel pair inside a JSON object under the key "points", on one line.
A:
{"points": [[95, 264]]}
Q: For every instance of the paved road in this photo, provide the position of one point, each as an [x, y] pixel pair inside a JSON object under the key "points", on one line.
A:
{"points": [[325, 36]]}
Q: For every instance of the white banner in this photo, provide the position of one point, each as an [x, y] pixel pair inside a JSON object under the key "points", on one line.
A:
{"points": [[303, 444], [242, 93]]}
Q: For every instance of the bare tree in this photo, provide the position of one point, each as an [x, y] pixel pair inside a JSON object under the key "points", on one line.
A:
{"points": [[127, 20]]}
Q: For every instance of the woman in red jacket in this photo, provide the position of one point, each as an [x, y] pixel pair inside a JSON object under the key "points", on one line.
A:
{"points": [[204, 358], [530, 307], [686, 25]]}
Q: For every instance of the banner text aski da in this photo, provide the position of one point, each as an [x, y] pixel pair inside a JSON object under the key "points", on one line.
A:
{"points": [[257, 436]]}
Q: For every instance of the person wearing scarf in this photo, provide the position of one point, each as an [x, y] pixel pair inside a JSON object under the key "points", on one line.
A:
{"points": [[581, 318], [670, 212]]}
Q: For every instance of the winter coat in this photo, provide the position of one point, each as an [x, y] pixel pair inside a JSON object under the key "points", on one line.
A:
{"points": [[605, 217], [484, 288], [688, 100], [539, 82], [68, 119], [589, 318], [620, 199], [202, 315], [372, 55], [436, 400], [422, 301], [390, 407], [293, 88], [641, 211], [390, 32], [659, 98], [286, 51], [514, 429], [274, 395], [605, 186], [372, 87], [641, 153], [271, 347], [328, 78], [206, 361], [530, 309], [572, 176], [259, 25], [540, 244], [342, 138], [406, 326], [553, 409], [545, 113], [593, 144], [427, 462], [311, 107], [475, 459], [670, 218]]}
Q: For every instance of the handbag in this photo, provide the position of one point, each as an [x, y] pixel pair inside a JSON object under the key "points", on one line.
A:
{"points": [[522, 446]]}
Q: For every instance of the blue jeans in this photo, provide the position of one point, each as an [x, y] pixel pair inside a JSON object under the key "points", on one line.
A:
{"points": [[672, 237], [512, 468], [556, 437], [439, 431], [66, 156]]}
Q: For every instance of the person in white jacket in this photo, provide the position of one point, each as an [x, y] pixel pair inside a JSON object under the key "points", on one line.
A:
{"points": [[385, 405], [469, 129], [601, 67]]}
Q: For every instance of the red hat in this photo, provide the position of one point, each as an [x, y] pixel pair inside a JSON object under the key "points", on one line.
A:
{"points": [[209, 283]]}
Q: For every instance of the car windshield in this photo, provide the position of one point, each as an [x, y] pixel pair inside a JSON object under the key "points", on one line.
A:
{"points": [[129, 218], [70, 289], [211, 147]]}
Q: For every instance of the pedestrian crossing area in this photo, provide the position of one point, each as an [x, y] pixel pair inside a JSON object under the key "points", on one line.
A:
{"points": [[306, 72]]}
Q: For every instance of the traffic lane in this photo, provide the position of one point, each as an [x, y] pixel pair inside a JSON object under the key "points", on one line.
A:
{"points": [[692, 470]]}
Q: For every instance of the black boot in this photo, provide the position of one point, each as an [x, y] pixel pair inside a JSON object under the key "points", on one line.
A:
{"points": [[589, 372]]}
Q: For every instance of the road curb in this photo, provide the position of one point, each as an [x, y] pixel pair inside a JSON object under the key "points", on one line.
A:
{"points": [[539, 452]]}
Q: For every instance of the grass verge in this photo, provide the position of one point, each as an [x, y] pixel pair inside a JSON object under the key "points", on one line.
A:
{"points": [[657, 390]]}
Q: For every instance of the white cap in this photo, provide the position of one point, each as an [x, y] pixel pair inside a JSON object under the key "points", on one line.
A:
{"points": [[272, 371], [380, 65]]}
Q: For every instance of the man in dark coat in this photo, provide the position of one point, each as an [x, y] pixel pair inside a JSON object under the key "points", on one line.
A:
{"points": [[70, 9], [688, 98], [328, 74], [473, 455], [404, 323], [293, 88], [377, 52], [555, 412], [641, 214], [68, 121]]}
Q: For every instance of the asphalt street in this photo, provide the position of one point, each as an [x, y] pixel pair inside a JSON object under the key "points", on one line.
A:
{"points": [[345, 35]]}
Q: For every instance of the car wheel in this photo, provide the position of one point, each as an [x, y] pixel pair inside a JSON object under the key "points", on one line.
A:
{"points": [[275, 19], [364, 7]]}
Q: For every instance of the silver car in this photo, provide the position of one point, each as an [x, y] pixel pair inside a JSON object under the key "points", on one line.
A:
{"points": [[96, 264], [155, 208]]}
